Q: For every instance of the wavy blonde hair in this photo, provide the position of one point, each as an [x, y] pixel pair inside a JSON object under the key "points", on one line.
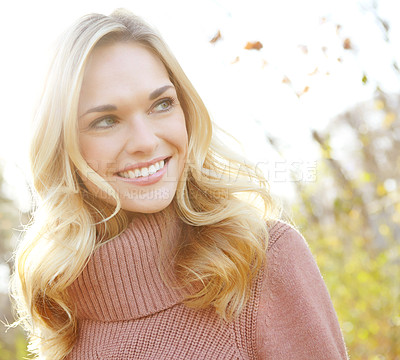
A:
{"points": [[226, 242]]}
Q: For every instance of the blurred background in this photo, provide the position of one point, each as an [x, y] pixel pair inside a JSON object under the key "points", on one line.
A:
{"points": [[311, 89]]}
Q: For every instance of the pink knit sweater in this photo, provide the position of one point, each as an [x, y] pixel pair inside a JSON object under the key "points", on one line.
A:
{"points": [[126, 311]]}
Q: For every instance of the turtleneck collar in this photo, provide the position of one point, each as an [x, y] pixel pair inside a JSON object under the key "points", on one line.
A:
{"points": [[123, 280]]}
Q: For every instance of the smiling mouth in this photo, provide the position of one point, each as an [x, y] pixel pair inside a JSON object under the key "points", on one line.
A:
{"points": [[144, 171]]}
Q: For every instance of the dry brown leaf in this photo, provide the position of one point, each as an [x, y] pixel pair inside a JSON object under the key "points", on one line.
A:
{"points": [[347, 44], [303, 91], [304, 49], [264, 63], [216, 37], [256, 45], [236, 60]]}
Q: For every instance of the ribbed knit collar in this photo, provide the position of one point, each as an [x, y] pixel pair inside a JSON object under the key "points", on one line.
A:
{"points": [[122, 279]]}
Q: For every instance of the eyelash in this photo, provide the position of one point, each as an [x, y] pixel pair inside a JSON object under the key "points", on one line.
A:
{"points": [[94, 124], [172, 102]]}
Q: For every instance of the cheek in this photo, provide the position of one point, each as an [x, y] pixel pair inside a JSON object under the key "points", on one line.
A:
{"points": [[173, 131], [180, 136], [181, 143], [99, 153]]}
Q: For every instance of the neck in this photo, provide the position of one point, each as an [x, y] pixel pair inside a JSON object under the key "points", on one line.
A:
{"points": [[132, 275]]}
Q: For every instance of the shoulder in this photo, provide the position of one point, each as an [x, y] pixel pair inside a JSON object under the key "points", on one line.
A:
{"points": [[280, 231], [288, 253], [290, 269], [295, 315]]}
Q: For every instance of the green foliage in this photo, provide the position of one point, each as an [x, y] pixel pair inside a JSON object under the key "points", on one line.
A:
{"points": [[21, 347], [5, 354], [12, 342], [351, 220], [16, 350], [364, 286]]}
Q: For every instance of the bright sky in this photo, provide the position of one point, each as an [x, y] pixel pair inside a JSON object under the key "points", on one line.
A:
{"points": [[247, 97]]}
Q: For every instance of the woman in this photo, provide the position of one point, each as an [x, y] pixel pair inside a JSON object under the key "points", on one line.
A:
{"points": [[148, 241]]}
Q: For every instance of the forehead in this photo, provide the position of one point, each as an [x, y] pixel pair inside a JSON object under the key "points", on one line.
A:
{"points": [[123, 64]]}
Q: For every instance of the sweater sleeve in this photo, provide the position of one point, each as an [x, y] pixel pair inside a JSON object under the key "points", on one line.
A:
{"points": [[296, 318]]}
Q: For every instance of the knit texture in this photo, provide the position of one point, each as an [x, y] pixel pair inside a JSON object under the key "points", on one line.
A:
{"points": [[126, 310]]}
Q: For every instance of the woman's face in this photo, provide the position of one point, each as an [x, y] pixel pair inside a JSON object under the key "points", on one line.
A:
{"points": [[132, 128]]}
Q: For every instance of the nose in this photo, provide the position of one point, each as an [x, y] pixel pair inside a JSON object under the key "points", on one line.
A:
{"points": [[141, 136]]}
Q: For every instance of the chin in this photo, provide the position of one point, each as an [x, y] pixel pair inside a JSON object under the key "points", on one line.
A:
{"points": [[147, 205]]}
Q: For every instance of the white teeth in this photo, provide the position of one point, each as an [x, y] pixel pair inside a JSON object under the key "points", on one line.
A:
{"points": [[152, 169], [144, 171]]}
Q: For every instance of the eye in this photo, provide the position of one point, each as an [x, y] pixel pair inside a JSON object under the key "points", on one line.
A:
{"points": [[164, 105], [105, 122]]}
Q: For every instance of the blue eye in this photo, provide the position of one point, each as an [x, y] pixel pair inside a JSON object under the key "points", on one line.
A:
{"points": [[103, 123]]}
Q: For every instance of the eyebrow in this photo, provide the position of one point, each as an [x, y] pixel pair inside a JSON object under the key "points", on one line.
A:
{"points": [[156, 93], [101, 108], [109, 107]]}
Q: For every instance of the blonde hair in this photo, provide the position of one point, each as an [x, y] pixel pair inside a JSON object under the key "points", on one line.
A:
{"points": [[226, 242]]}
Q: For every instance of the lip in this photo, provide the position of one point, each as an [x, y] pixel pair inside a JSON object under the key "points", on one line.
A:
{"points": [[146, 180]]}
